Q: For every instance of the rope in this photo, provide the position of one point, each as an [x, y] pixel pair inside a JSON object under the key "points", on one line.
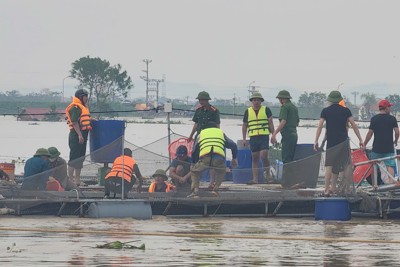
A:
{"points": [[193, 235]]}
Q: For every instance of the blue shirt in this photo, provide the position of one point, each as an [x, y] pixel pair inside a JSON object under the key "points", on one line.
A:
{"points": [[35, 173]]}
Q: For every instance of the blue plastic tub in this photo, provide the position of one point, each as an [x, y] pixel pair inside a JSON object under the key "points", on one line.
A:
{"points": [[106, 140], [242, 176], [337, 209], [205, 176], [244, 158]]}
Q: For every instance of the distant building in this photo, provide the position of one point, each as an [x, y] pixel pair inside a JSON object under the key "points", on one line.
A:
{"points": [[41, 114]]}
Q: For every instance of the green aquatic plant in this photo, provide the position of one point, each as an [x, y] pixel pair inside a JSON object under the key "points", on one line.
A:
{"points": [[121, 245]]}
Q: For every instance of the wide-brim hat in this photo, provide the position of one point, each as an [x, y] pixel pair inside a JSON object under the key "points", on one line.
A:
{"points": [[284, 94], [334, 97], [203, 95], [162, 173], [42, 152], [53, 151], [256, 95]]}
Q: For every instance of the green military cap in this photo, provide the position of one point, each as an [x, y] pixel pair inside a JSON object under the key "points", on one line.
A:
{"points": [[54, 153], [162, 173], [284, 94], [203, 95], [42, 152], [335, 97], [256, 95]]}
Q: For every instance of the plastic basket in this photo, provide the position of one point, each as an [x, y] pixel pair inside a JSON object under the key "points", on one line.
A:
{"points": [[180, 142], [360, 171]]}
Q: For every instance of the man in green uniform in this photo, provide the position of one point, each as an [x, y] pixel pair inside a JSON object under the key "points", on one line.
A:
{"points": [[204, 114], [289, 120]]}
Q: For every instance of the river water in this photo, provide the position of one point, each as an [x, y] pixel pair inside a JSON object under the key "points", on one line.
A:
{"points": [[183, 241], [213, 241]]}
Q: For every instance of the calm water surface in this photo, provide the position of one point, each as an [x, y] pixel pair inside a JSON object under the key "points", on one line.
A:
{"points": [[234, 245]]}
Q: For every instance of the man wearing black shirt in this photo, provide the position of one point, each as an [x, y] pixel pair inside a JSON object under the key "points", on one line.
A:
{"points": [[382, 126], [338, 157]]}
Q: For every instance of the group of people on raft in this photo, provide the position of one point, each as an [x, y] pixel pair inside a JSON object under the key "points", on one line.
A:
{"points": [[47, 170]]}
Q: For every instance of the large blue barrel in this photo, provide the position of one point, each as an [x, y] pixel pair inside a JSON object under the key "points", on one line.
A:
{"points": [[337, 209], [106, 142], [244, 158], [242, 176], [243, 173], [205, 175]]}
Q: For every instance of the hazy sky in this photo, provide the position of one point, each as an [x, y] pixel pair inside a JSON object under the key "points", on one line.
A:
{"points": [[307, 45]]}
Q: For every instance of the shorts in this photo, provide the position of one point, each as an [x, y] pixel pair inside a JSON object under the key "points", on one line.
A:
{"points": [[388, 162], [259, 142], [338, 157]]}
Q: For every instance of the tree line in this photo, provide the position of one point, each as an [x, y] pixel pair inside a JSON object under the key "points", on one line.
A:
{"points": [[317, 100], [107, 84]]}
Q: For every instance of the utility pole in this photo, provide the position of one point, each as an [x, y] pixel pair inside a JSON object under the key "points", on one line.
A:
{"points": [[63, 89], [164, 86], [249, 86], [155, 82], [234, 103], [146, 78], [355, 97]]}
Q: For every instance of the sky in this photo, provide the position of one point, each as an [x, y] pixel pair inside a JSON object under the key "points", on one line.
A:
{"points": [[221, 46]]}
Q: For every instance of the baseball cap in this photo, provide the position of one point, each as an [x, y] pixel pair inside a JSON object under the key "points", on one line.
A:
{"points": [[384, 103]]}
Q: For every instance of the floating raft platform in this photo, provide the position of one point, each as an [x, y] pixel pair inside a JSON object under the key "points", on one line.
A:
{"points": [[234, 200]]}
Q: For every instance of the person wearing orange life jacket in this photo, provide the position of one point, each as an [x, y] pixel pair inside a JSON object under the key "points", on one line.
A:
{"points": [[78, 119], [124, 168], [258, 124], [160, 183]]}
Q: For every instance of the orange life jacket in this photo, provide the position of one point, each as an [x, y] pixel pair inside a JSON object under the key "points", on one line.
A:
{"points": [[84, 119], [123, 167], [153, 185]]}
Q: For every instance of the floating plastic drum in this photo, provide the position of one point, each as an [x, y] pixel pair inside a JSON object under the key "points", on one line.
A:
{"points": [[336, 209], [360, 171], [120, 209], [106, 140]]}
